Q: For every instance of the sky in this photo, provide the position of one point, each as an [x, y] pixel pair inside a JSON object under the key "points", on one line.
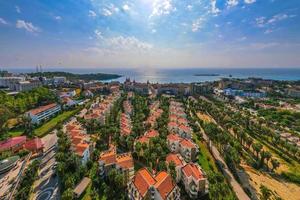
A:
{"points": [[150, 33]]}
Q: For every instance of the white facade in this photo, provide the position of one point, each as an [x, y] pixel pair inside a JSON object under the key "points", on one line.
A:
{"points": [[36, 118]]}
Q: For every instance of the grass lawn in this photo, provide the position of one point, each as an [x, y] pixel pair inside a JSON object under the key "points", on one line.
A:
{"points": [[205, 159], [88, 196], [50, 125], [14, 133]]}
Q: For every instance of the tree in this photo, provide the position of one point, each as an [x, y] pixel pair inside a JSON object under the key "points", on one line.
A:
{"points": [[172, 169], [275, 164], [268, 156], [257, 147], [265, 192], [68, 194]]}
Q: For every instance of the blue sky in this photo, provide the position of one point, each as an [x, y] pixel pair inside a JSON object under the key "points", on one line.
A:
{"points": [[150, 33]]}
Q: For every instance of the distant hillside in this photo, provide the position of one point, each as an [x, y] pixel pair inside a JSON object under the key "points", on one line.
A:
{"points": [[71, 76]]}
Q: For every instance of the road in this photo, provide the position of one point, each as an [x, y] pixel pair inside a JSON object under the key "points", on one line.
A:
{"points": [[240, 193], [46, 187]]}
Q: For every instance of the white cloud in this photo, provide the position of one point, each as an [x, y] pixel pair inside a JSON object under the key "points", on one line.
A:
{"points": [[197, 24], [278, 17], [189, 7], [260, 21], [214, 9], [28, 26], [250, 1], [98, 34], [2, 21], [232, 3], [153, 31], [18, 10], [128, 43], [58, 18], [162, 7], [126, 7], [263, 21], [92, 13], [110, 10]]}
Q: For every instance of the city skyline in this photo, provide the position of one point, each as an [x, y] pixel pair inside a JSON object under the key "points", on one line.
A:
{"points": [[145, 33]]}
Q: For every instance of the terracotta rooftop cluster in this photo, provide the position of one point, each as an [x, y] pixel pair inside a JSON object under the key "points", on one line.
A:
{"points": [[155, 113], [147, 136], [79, 139], [110, 157], [145, 183], [125, 125], [178, 122], [100, 110]]}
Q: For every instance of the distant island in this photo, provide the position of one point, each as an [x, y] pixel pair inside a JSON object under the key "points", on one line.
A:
{"points": [[71, 76], [206, 74]]}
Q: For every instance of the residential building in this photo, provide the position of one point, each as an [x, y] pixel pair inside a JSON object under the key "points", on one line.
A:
{"points": [[42, 113], [27, 85], [125, 125], [146, 137], [194, 180], [178, 162], [110, 159], [59, 79], [145, 185], [13, 144], [185, 147], [10, 82], [34, 145], [81, 143]]}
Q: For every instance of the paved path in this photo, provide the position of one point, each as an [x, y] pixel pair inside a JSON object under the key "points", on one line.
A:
{"points": [[46, 187], [240, 193]]}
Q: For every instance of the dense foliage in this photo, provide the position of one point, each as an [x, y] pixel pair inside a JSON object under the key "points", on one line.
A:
{"points": [[27, 181]]}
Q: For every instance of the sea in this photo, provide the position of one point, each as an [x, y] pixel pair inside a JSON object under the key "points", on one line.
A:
{"points": [[179, 75]]}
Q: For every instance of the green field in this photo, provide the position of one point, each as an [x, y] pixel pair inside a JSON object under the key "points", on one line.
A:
{"points": [[15, 133], [50, 125], [205, 159]]}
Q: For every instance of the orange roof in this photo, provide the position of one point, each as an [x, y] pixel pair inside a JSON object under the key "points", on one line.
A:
{"points": [[80, 148], [172, 124], [175, 158], [143, 179], [152, 133], [187, 143], [143, 139], [125, 160], [164, 184], [192, 169], [42, 109], [185, 128], [174, 137], [109, 156]]}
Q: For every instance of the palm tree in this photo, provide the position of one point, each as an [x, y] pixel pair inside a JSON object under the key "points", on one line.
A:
{"points": [[268, 156], [265, 192], [275, 164], [257, 147]]}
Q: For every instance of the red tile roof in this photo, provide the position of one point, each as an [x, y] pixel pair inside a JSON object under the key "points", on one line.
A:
{"points": [[187, 143], [12, 142], [192, 169], [42, 109], [143, 179], [172, 157], [35, 144], [125, 160], [164, 184], [174, 137]]}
